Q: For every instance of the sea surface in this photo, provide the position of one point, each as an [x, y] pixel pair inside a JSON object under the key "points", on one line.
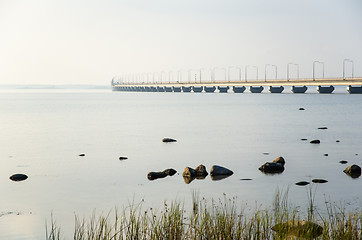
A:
{"points": [[42, 133]]}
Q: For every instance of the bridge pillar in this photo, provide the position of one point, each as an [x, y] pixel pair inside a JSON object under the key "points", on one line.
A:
{"points": [[325, 89], [209, 89], [299, 89], [256, 89], [239, 89], [197, 89], [354, 89], [186, 89], [153, 89], [160, 89], [223, 89], [274, 89]]}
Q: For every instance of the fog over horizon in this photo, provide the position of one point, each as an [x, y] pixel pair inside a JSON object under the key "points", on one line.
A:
{"points": [[88, 42]]}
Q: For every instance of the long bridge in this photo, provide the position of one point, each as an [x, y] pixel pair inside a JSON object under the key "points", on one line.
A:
{"points": [[325, 85]]}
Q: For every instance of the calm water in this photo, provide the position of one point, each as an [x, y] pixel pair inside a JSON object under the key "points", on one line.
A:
{"points": [[43, 132]]}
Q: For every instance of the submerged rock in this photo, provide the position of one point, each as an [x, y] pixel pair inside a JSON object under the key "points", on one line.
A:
{"points": [[343, 162], [277, 166], [81, 155], [302, 183], [301, 109], [317, 180], [316, 141], [163, 174], [303, 229], [326, 154], [304, 139], [219, 177], [246, 179], [123, 158], [218, 170], [353, 171], [168, 140], [18, 177], [322, 128]]}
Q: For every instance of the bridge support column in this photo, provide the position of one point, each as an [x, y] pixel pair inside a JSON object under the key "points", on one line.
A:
{"points": [[299, 89], [325, 89], [274, 89], [239, 89], [168, 89], [256, 89], [176, 89]]}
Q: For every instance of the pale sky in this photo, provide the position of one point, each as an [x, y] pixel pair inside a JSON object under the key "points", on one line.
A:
{"points": [[89, 41]]}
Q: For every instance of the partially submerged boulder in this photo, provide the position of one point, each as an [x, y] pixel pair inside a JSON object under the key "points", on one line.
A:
{"points": [[277, 166], [318, 180], [353, 171], [190, 174], [298, 228], [169, 140], [163, 174], [316, 141], [302, 183], [218, 170], [18, 177]]}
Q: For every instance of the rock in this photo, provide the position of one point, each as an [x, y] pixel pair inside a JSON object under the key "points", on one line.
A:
{"points": [[302, 183], [189, 172], [218, 170], [353, 171], [18, 177], [279, 160], [201, 171], [81, 155], [168, 140], [266, 153], [319, 180], [156, 175], [304, 139], [326, 154], [188, 180], [219, 177], [322, 128], [170, 172], [301, 109], [337, 141], [343, 162], [303, 229], [272, 167], [123, 158], [246, 179], [315, 141]]}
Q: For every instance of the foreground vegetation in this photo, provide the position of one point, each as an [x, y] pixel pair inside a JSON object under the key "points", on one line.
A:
{"points": [[222, 219]]}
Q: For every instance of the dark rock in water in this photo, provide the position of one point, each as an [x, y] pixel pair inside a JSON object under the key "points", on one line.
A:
{"points": [[337, 141], [218, 170], [279, 160], [189, 172], [353, 171], [246, 179], [81, 155], [322, 128], [302, 183], [218, 177], [298, 228], [315, 141], [343, 162], [18, 177], [123, 158], [319, 181], [170, 172], [201, 171], [304, 139], [156, 175], [272, 167], [169, 140], [301, 109], [266, 153], [326, 154]]}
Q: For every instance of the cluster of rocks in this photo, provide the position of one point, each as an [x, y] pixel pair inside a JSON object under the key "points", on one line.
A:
{"points": [[155, 175], [216, 173]]}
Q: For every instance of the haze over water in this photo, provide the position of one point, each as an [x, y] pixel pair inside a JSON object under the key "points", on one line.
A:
{"points": [[44, 131]]}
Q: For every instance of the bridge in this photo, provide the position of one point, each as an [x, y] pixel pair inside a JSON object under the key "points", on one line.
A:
{"points": [[324, 85]]}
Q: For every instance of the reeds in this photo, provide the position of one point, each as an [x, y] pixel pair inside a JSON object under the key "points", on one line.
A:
{"points": [[215, 219]]}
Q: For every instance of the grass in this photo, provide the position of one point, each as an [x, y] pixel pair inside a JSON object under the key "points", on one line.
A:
{"points": [[221, 219]]}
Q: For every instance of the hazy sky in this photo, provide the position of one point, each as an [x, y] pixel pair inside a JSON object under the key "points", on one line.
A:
{"points": [[89, 42]]}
